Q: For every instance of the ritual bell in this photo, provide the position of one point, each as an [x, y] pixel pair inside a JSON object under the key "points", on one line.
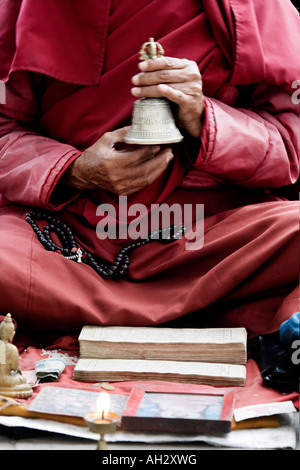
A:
{"points": [[152, 120]]}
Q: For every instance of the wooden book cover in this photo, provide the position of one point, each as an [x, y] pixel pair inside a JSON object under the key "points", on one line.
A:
{"points": [[116, 370], [227, 345]]}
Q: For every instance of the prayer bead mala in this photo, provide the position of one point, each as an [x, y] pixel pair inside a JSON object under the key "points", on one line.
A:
{"points": [[69, 247]]}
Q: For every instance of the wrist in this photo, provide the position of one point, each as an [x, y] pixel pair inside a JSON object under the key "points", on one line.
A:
{"points": [[74, 176]]}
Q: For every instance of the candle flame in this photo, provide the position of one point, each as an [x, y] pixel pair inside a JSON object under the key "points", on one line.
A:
{"points": [[103, 404]]}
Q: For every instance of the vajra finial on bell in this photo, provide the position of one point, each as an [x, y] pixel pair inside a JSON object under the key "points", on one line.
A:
{"points": [[151, 50], [152, 121]]}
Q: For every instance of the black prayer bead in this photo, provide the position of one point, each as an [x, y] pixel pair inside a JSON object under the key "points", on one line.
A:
{"points": [[70, 249]]}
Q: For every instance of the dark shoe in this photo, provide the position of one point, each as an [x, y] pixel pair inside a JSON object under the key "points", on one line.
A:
{"points": [[274, 361]]}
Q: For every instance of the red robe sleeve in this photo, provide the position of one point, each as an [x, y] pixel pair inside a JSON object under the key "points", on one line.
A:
{"points": [[34, 41], [30, 164], [257, 147], [256, 143]]}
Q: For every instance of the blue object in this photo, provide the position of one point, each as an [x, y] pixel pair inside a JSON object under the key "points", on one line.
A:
{"points": [[290, 330]]}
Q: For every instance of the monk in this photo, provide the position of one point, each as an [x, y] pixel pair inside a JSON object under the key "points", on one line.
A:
{"points": [[72, 73]]}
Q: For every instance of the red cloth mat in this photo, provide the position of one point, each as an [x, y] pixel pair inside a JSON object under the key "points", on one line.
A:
{"points": [[253, 392]]}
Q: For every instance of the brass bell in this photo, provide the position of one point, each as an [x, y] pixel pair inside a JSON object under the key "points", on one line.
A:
{"points": [[152, 121]]}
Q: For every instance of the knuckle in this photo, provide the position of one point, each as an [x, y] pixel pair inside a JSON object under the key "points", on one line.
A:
{"points": [[147, 178], [120, 188], [196, 90], [181, 98], [103, 168], [114, 181], [164, 75], [192, 64], [195, 76], [168, 62], [187, 62]]}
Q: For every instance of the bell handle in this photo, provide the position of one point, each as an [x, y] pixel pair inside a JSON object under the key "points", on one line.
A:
{"points": [[151, 50]]}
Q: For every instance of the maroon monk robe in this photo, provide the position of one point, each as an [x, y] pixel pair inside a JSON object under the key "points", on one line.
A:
{"points": [[62, 100]]}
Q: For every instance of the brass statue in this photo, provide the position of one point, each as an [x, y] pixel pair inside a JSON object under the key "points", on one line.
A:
{"points": [[152, 121], [12, 381]]}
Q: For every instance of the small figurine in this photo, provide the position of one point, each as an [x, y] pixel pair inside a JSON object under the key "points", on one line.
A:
{"points": [[12, 381]]}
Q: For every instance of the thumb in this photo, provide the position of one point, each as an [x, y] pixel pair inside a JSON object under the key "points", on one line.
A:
{"points": [[118, 139]]}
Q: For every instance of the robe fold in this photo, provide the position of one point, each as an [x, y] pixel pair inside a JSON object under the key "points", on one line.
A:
{"points": [[67, 69]]}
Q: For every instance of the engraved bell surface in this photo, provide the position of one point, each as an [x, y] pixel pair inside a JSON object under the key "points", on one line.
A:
{"points": [[152, 120], [153, 123]]}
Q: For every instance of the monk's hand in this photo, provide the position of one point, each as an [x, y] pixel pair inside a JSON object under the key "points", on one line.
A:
{"points": [[116, 167], [178, 80]]}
